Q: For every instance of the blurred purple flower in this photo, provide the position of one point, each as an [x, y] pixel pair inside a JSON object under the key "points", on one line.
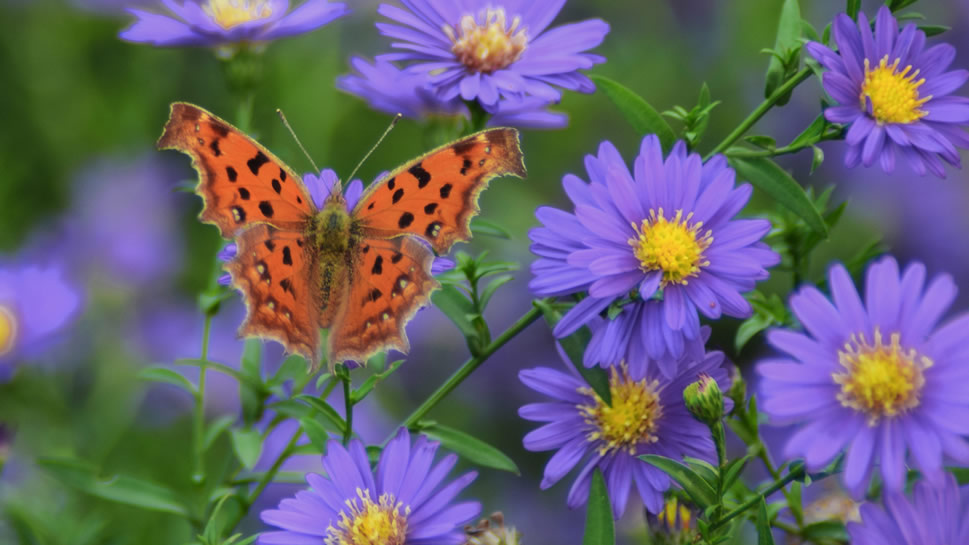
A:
{"points": [[124, 222], [647, 416], [37, 303], [877, 378], [404, 503], [214, 23], [392, 90], [483, 51], [666, 230], [935, 515], [894, 94]]}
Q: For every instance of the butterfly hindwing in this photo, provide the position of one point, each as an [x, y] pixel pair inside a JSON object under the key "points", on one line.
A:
{"points": [[240, 181], [435, 196], [273, 269], [389, 281]]}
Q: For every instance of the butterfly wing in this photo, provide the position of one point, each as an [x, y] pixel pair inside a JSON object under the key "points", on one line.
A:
{"points": [[240, 182], [272, 268], [388, 282], [435, 196]]}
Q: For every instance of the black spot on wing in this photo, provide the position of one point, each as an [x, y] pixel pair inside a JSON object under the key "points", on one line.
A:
{"points": [[219, 128], [465, 166], [239, 214], [286, 284], [375, 294], [405, 219], [244, 193], [270, 245], [463, 147], [396, 258], [423, 176], [257, 162], [433, 229], [397, 195], [231, 173], [446, 191], [287, 256], [276, 186], [430, 208], [215, 148], [378, 265], [391, 183], [282, 174], [266, 209]]}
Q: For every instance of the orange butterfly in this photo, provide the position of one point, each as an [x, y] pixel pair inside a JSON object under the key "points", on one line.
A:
{"points": [[363, 273]]}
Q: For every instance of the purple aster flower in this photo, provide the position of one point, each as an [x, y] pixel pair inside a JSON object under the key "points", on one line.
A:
{"points": [[37, 303], [935, 515], [665, 233], [213, 23], [392, 90], [894, 93], [403, 502], [647, 416], [877, 378], [482, 50]]}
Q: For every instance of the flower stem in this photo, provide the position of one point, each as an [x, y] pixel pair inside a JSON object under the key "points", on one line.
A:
{"points": [[470, 366], [348, 403], [274, 469], [198, 475], [759, 112], [754, 500]]}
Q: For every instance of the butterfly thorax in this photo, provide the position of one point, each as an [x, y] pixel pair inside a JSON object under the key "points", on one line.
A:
{"points": [[329, 229]]}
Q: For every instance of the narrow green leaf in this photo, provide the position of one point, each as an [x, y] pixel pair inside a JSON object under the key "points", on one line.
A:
{"points": [[773, 180], [600, 528], [372, 380], [788, 38], [704, 103], [934, 30], [852, 7], [703, 494], [704, 469], [293, 367], [457, 308], [795, 500], [961, 474], [643, 117], [324, 409], [315, 431], [470, 448], [825, 531], [811, 134], [733, 470], [291, 408], [117, 488], [247, 444], [574, 347], [482, 227], [896, 5], [215, 429], [158, 373], [492, 287], [764, 536]]}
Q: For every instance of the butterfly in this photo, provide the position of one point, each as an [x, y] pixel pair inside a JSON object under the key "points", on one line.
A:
{"points": [[360, 273]]}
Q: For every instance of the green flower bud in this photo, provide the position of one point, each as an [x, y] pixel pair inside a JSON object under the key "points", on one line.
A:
{"points": [[738, 388], [704, 399]]}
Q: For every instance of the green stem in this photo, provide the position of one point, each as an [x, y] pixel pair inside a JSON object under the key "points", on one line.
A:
{"points": [[348, 403], [274, 469], [198, 475], [751, 154], [797, 474], [759, 112], [470, 366]]}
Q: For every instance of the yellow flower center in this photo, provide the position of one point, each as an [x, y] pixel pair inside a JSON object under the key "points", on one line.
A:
{"points": [[673, 246], [231, 13], [489, 46], [630, 421], [894, 95], [8, 329], [880, 379], [365, 522]]}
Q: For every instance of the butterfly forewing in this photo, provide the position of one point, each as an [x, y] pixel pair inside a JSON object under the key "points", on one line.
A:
{"points": [[240, 181], [435, 196]]}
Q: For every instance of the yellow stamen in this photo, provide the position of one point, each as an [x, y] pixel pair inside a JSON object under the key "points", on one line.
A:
{"points": [[231, 13], [632, 418], [490, 45], [8, 329], [881, 380], [673, 246], [894, 95], [365, 522]]}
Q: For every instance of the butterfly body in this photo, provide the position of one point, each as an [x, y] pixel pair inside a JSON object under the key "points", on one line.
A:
{"points": [[362, 273]]}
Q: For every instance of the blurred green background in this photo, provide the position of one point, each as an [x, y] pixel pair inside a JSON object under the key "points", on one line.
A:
{"points": [[81, 111]]}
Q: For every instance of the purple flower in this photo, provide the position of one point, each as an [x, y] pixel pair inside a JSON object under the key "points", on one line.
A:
{"points": [[37, 302], [877, 378], [894, 94], [664, 233], [935, 515], [403, 502], [647, 416], [482, 50], [392, 90], [212, 23]]}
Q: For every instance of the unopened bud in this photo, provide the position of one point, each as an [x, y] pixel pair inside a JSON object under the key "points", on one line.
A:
{"points": [[704, 399], [738, 388], [492, 531]]}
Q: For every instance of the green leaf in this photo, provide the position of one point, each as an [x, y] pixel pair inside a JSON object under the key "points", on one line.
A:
{"points": [[215, 429], [574, 347], [795, 500], [852, 7], [323, 408], [117, 488], [368, 385], [788, 38], [600, 528], [961, 474], [750, 327], [810, 135], [764, 536], [482, 227], [934, 30], [470, 448], [492, 287], [247, 444], [702, 494], [704, 469], [457, 308], [770, 178], [252, 359], [704, 103], [643, 117], [896, 5], [158, 373], [733, 470], [293, 367], [825, 531], [316, 432]]}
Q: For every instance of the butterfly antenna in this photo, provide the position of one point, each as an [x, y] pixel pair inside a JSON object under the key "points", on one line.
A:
{"points": [[393, 123], [282, 116]]}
